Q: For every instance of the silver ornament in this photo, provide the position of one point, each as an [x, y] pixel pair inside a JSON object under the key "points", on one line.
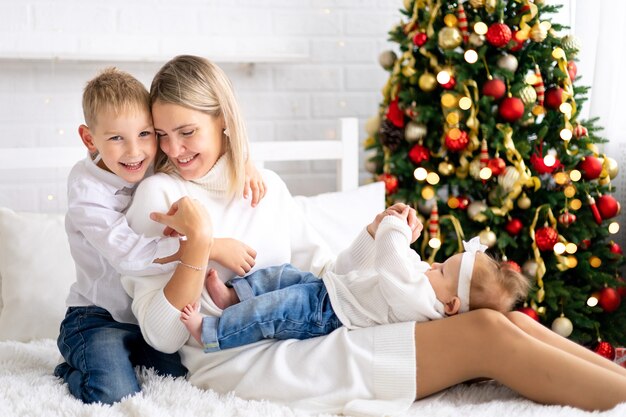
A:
{"points": [[414, 131], [475, 211], [508, 178], [507, 62], [529, 268], [488, 237], [476, 40], [528, 94], [562, 326], [571, 44], [387, 58]]}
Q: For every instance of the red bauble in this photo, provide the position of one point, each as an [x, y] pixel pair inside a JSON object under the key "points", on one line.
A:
{"points": [[584, 245], [546, 237], [494, 88], [450, 84], [621, 290], [517, 44], [609, 299], [580, 131], [514, 266], [463, 202], [496, 165], [511, 109], [529, 312], [554, 97], [615, 248], [572, 70], [605, 349], [536, 160], [394, 114], [608, 206], [514, 226], [591, 167], [567, 218], [420, 39], [498, 35], [456, 144], [391, 182], [419, 154]]}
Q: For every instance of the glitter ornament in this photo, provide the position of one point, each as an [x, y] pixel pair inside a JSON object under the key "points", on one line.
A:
{"points": [[449, 38], [456, 140], [420, 39], [498, 35], [605, 349], [529, 312], [419, 154], [427, 82], [571, 44], [414, 131], [546, 237], [497, 165], [391, 182]]}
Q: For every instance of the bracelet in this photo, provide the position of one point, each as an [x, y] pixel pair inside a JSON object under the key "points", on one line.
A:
{"points": [[195, 268]]}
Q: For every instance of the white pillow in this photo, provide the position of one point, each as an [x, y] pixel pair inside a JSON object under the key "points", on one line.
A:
{"points": [[37, 270], [340, 216], [36, 267]]}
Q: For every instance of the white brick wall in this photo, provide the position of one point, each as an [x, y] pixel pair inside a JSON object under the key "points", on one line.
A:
{"points": [[315, 61]]}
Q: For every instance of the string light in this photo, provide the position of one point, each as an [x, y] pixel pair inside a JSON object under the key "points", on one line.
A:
{"points": [[559, 248], [465, 103], [443, 77], [549, 160], [571, 248], [420, 173], [432, 178], [485, 173], [575, 204], [575, 175], [565, 134], [434, 243], [592, 301], [613, 228], [481, 28], [471, 56]]}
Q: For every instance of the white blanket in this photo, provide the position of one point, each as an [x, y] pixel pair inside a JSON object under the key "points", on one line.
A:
{"points": [[28, 388]]}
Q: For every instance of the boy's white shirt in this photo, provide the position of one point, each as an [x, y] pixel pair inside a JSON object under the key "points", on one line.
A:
{"points": [[102, 243], [389, 286]]}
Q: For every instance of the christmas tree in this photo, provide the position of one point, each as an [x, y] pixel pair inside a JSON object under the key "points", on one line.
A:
{"points": [[479, 130]]}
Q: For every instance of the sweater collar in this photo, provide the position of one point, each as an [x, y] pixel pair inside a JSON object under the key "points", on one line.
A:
{"points": [[217, 179]]}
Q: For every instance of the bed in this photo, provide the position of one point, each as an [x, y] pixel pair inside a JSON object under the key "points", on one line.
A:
{"points": [[36, 271]]}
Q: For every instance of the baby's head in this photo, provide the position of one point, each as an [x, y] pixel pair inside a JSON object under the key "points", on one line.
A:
{"points": [[118, 128], [472, 280]]}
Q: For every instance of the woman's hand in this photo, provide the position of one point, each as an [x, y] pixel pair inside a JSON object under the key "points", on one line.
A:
{"points": [[186, 217], [254, 184], [234, 255]]}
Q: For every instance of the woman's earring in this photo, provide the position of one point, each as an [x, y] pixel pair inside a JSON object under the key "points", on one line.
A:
{"points": [[226, 132]]}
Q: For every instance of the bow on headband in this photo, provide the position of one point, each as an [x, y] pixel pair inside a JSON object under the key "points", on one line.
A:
{"points": [[465, 272]]}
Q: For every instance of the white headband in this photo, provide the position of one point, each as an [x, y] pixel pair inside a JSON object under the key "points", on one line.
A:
{"points": [[465, 272]]}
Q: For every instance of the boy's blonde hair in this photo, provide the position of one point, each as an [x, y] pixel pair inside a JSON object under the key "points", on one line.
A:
{"points": [[496, 285], [198, 84], [113, 91]]}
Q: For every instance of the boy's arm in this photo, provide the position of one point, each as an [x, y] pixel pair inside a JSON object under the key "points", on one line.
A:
{"points": [[254, 184]]}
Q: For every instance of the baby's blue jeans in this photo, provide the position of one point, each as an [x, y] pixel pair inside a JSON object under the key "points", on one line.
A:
{"points": [[278, 302], [101, 355]]}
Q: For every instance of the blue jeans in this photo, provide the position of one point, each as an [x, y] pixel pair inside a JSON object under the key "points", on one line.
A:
{"points": [[279, 302], [101, 354]]}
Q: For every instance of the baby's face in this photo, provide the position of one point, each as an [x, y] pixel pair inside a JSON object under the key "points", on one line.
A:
{"points": [[444, 277]]}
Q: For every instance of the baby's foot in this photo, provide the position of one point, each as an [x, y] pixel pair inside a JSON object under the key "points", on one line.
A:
{"points": [[221, 295], [192, 319]]}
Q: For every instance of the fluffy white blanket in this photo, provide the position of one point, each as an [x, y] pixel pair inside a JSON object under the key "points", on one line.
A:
{"points": [[28, 388]]}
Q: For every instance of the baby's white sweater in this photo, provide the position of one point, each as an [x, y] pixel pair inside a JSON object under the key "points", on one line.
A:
{"points": [[362, 372]]}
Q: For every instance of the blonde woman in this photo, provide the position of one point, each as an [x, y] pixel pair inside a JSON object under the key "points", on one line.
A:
{"points": [[376, 370]]}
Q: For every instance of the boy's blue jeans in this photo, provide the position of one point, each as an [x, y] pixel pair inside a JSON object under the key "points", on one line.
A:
{"points": [[101, 354], [279, 302]]}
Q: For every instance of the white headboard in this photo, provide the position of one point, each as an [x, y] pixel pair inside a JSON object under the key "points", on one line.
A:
{"points": [[58, 160]]}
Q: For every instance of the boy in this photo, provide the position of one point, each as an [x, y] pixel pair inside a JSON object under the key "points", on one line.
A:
{"points": [[282, 302], [99, 337]]}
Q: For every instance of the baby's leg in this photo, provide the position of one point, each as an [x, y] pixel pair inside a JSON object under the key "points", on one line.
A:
{"points": [[221, 295], [192, 319]]}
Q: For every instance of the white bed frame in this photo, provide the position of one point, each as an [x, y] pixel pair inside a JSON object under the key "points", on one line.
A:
{"points": [[344, 150]]}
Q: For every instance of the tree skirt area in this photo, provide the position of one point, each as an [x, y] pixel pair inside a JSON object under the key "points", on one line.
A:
{"points": [[28, 388]]}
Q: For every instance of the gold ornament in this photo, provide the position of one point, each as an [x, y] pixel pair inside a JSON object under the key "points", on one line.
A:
{"points": [[487, 237], [387, 58], [477, 4], [508, 178], [414, 131], [524, 202], [372, 125], [612, 167], [571, 43], [528, 95], [475, 211], [474, 168], [427, 82], [450, 20], [490, 5], [371, 166], [449, 37], [408, 4], [529, 268], [562, 326], [476, 40], [446, 168], [538, 33]]}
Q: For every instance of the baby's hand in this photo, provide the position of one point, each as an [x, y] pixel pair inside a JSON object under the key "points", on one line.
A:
{"points": [[234, 255], [401, 210], [254, 184]]}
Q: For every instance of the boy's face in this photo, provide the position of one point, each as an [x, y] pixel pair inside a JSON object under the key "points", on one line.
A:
{"points": [[126, 143], [444, 278]]}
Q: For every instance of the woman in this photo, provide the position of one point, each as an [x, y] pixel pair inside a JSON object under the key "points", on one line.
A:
{"points": [[377, 370]]}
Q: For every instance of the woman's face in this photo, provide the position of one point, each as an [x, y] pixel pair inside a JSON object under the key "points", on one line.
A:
{"points": [[191, 139]]}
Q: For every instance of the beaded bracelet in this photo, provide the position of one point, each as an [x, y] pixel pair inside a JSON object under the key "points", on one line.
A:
{"points": [[195, 268]]}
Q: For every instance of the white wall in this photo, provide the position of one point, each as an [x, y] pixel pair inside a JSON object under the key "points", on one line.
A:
{"points": [[312, 62]]}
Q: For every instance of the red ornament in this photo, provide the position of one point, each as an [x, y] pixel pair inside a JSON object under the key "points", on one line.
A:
{"points": [[580, 131], [420, 39], [450, 84], [514, 226], [494, 88], [546, 237], [608, 206], [419, 154], [621, 290], [391, 182], [572, 70], [498, 35], [456, 140], [529, 312], [554, 97], [463, 202], [585, 244], [615, 248], [517, 42], [609, 299], [514, 266], [594, 209], [591, 167], [567, 218], [394, 114], [496, 165], [537, 161], [511, 109], [605, 349]]}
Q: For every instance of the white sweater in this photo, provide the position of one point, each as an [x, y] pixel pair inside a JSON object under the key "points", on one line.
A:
{"points": [[388, 287], [362, 372]]}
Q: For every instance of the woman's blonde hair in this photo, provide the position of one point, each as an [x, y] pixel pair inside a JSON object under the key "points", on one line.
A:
{"points": [[197, 83]]}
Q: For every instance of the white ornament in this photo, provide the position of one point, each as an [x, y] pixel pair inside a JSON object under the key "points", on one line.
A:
{"points": [[562, 326], [414, 131], [476, 40], [507, 62], [372, 125], [529, 268], [474, 168], [508, 178], [475, 210]]}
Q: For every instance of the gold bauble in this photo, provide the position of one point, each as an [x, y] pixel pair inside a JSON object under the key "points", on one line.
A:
{"points": [[613, 167], [508, 178], [524, 202], [571, 44], [386, 59], [370, 165], [487, 237], [528, 95], [372, 125], [414, 131], [474, 168], [604, 180], [490, 5], [427, 82], [446, 168], [408, 4], [538, 32], [449, 37], [475, 211], [477, 4]]}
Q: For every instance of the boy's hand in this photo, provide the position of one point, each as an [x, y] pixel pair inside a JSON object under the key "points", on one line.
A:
{"points": [[234, 255], [254, 184]]}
